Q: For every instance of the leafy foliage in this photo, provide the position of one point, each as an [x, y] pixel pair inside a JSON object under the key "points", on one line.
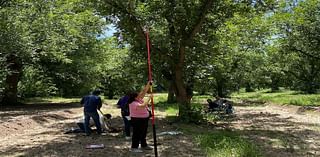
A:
{"points": [[56, 37], [301, 44], [35, 83], [203, 46], [281, 97]]}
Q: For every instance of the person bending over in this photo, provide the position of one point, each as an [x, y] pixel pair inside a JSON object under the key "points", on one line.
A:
{"points": [[91, 104]]}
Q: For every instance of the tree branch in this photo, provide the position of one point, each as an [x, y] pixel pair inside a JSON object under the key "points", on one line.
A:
{"points": [[135, 22], [290, 72], [201, 18], [195, 29], [304, 53], [2, 2]]}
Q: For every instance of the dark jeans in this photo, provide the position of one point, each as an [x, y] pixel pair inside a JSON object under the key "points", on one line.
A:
{"points": [[140, 127], [81, 126], [95, 117], [126, 126]]}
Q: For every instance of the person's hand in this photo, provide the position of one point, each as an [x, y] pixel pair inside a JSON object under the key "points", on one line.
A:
{"points": [[150, 95]]}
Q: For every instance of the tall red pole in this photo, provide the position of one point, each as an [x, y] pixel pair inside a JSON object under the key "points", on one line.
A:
{"points": [[152, 104]]}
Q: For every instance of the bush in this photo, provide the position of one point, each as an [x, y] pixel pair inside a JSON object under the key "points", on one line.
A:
{"points": [[34, 83]]}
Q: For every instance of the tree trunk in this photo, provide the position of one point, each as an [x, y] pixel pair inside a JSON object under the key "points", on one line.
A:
{"points": [[274, 84], [171, 91], [220, 91], [181, 92], [187, 39], [249, 88], [310, 82], [14, 66], [219, 85], [110, 94]]}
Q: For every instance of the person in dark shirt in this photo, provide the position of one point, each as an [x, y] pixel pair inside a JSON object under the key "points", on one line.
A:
{"points": [[212, 106], [91, 104], [228, 106], [124, 106]]}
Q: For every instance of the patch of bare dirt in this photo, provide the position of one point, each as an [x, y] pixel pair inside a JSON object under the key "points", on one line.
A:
{"points": [[280, 130], [39, 132]]}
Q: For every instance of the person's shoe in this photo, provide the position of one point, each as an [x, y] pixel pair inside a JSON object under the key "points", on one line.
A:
{"points": [[147, 148], [128, 138], [136, 150]]}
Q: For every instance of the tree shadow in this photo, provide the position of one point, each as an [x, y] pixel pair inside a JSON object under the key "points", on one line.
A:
{"points": [[303, 109], [250, 103], [115, 144], [273, 134], [11, 112], [278, 136]]}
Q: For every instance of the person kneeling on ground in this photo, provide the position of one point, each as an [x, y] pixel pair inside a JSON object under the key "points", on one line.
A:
{"points": [[212, 106], [103, 124], [229, 107], [91, 104]]}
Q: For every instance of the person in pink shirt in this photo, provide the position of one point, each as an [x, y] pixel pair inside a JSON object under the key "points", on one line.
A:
{"points": [[139, 115]]}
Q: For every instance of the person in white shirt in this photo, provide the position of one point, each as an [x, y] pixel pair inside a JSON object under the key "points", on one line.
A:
{"points": [[103, 123]]}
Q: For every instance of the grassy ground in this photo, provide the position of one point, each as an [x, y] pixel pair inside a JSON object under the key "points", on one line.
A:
{"points": [[217, 143], [227, 143], [282, 97]]}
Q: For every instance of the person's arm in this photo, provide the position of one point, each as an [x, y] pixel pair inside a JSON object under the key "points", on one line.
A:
{"points": [[102, 122], [144, 91], [99, 103], [145, 103], [82, 101], [119, 102]]}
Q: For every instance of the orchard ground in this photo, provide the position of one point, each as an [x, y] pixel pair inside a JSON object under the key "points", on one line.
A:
{"points": [[37, 129]]}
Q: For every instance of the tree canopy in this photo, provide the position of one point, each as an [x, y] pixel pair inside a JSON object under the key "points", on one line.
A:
{"points": [[197, 46]]}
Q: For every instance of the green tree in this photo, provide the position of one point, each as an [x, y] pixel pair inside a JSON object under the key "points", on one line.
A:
{"points": [[299, 37], [174, 26], [180, 34], [119, 75], [242, 53], [60, 36]]}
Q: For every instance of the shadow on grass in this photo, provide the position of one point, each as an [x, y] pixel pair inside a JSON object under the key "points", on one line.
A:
{"points": [[250, 103], [272, 134], [277, 136]]}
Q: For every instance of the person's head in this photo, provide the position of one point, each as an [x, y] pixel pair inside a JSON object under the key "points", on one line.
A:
{"points": [[132, 97], [96, 92], [209, 100]]}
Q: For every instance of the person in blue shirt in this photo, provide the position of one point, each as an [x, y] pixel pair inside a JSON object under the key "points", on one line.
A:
{"points": [[91, 104], [123, 105]]}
